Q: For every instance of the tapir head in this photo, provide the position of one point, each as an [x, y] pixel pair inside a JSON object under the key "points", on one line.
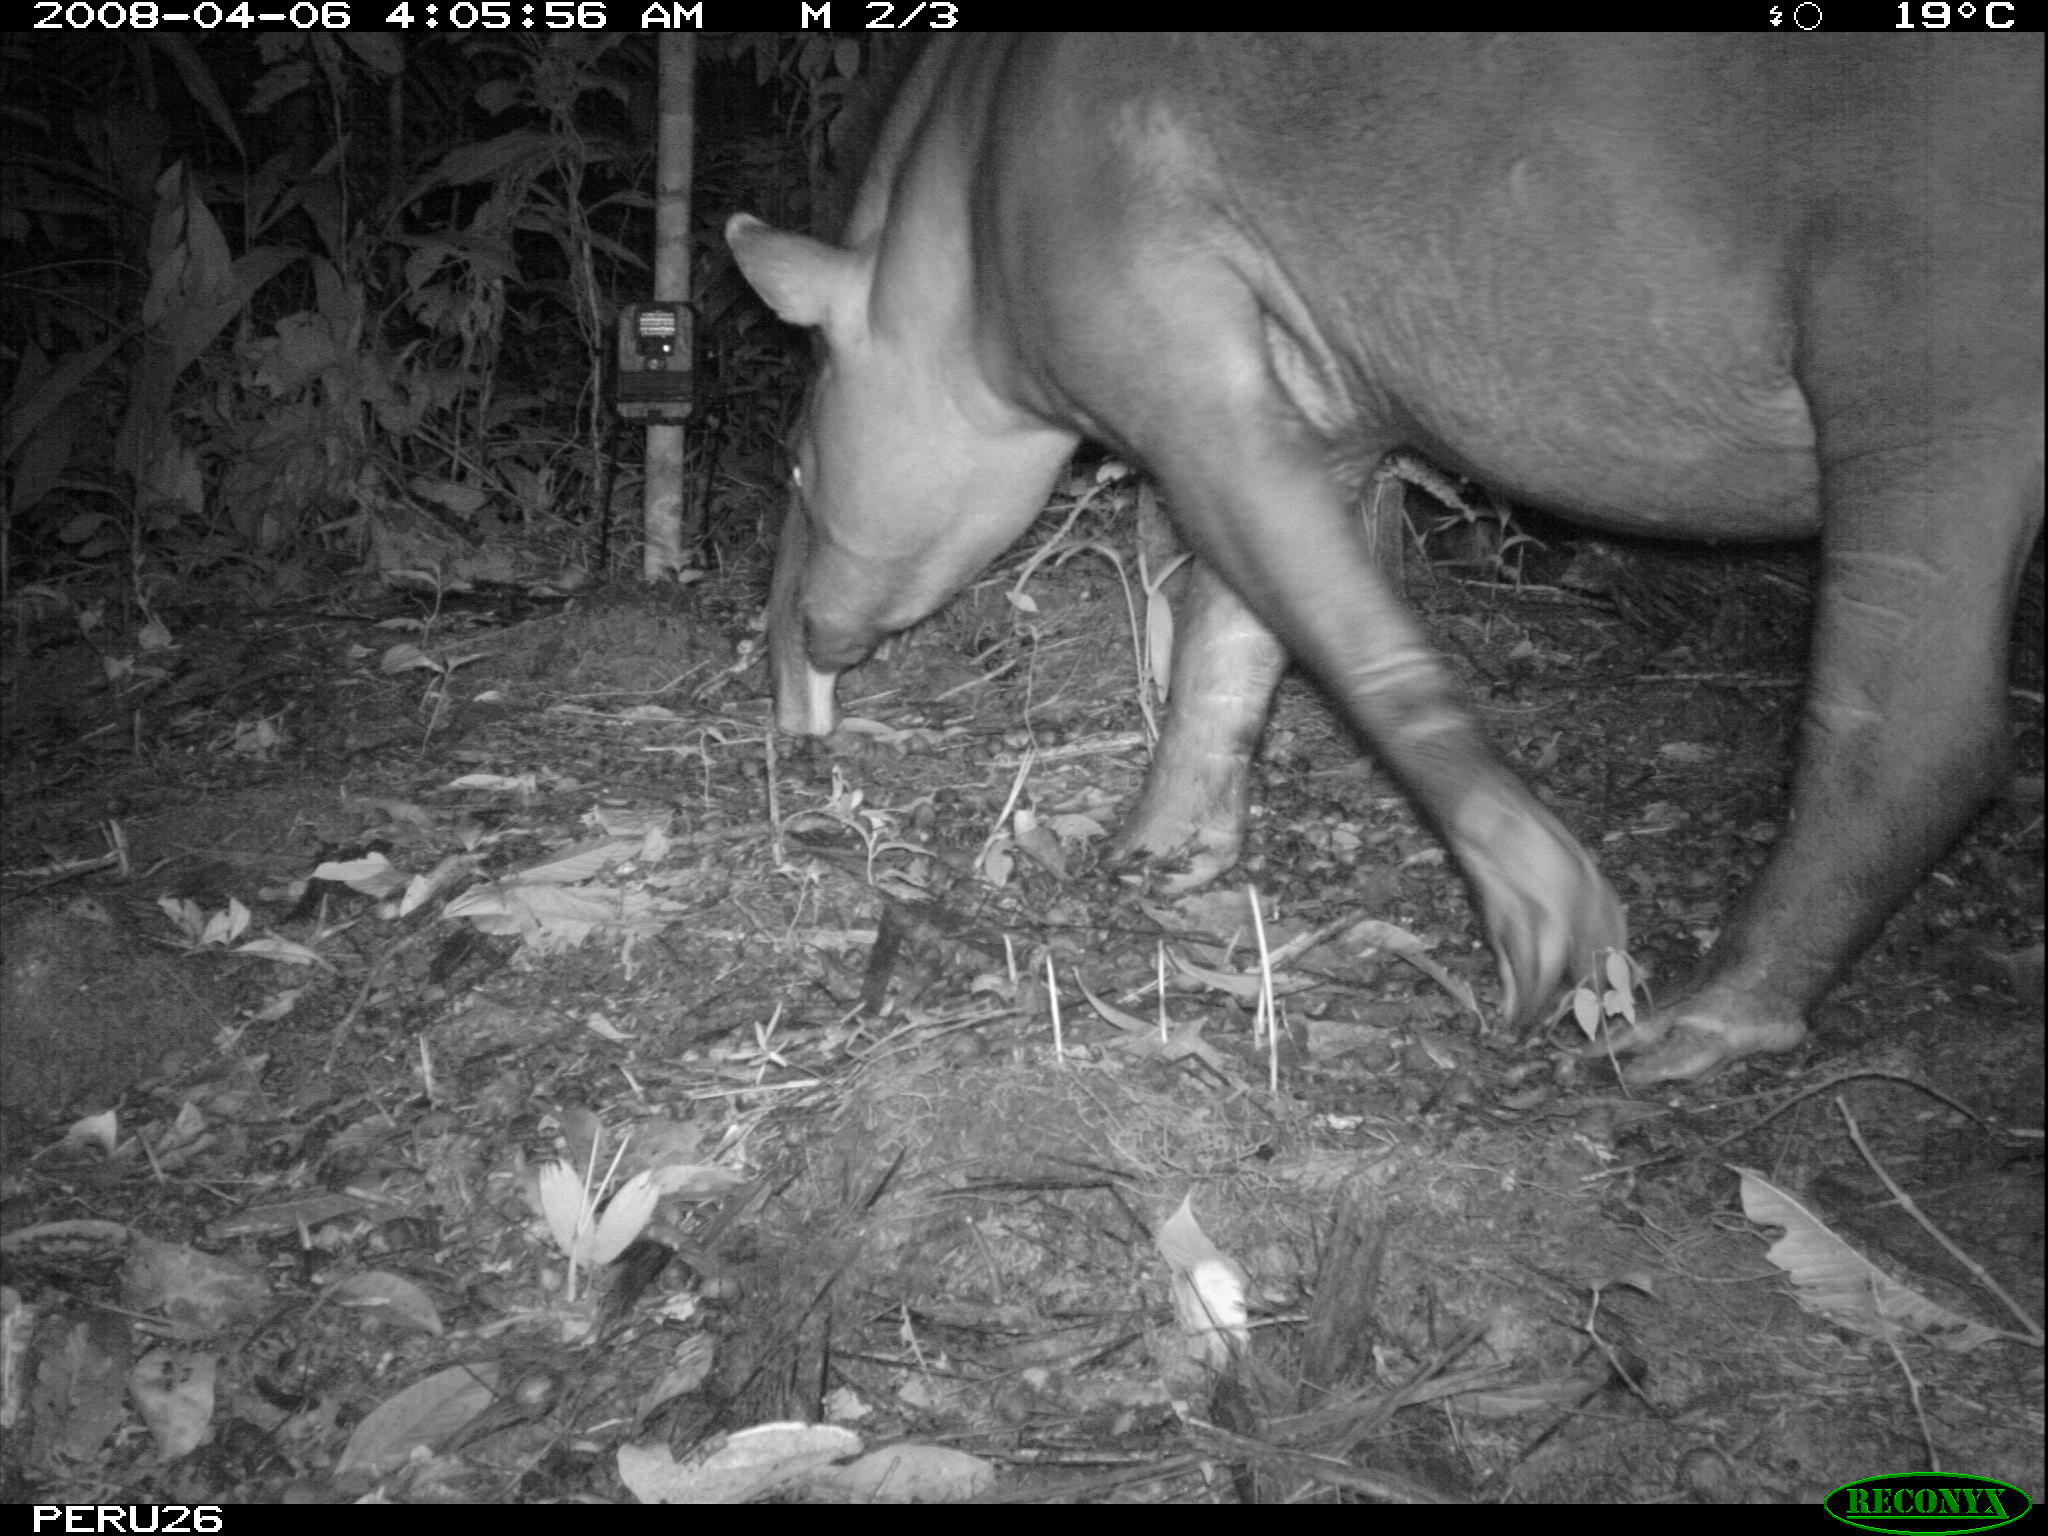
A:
{"points": [[911, 472]]}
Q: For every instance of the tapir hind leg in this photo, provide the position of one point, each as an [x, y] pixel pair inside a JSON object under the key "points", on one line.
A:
{"points": [[1904, 734]]}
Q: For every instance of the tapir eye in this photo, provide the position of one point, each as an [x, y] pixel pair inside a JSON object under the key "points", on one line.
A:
{"points": [[796, 476]]}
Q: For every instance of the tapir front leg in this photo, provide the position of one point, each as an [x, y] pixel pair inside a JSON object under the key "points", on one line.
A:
{"points": [[1254, 488]]}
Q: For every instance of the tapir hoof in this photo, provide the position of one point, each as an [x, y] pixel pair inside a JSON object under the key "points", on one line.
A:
{"points": [[1687, 1043], [1194, 864], [1548, 910], [1185, 832]]}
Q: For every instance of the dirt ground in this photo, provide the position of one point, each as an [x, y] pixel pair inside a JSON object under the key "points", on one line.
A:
{"points": [[278, 1221]]}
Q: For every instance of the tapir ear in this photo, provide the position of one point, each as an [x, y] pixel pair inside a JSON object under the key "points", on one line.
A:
{"points": [[805, 281]]}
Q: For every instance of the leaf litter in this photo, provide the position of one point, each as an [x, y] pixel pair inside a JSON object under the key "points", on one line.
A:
{"points": [[678, 1144]]}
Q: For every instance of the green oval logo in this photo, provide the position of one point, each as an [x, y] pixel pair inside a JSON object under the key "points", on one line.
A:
{"points": [[1945, 1502]]}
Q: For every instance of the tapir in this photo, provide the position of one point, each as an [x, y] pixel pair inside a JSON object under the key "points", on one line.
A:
{"points": [[1750, 287]]}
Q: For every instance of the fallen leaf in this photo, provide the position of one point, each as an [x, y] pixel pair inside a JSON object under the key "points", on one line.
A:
{"points": [[199, 1290], [911, 1473], [1831, 1278], [173, 1391], [423, 1415], [400, 1300], [736, 1468], [1208, 1288]]}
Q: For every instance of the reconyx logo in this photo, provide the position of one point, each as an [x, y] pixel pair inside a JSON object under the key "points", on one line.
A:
{"points": [[1943, 1502]]}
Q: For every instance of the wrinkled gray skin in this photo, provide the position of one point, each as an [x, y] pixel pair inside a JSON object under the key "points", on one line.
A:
{"points": [[1731, 288]]}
